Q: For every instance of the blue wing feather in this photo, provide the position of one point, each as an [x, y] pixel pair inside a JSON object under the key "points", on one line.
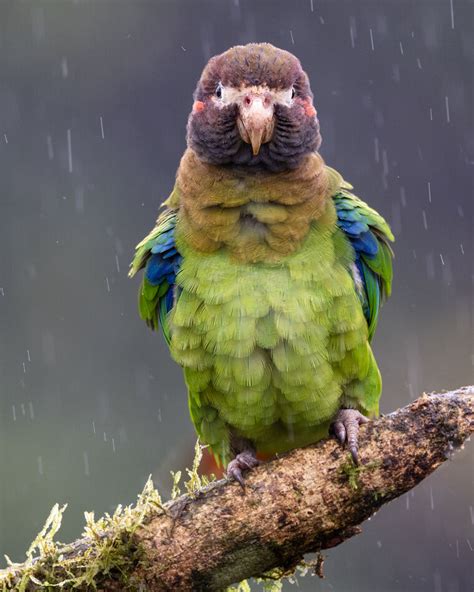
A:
{"points": [[369, 235], [158, 254]]}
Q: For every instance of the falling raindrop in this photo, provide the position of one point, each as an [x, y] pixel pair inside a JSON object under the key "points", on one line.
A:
{"points": [[403, 197], [64, 68], [352, 30], [49, 143], [376, 146], [425, 221], [430, 268], [384, 162], [69, 150], [85, 457]]}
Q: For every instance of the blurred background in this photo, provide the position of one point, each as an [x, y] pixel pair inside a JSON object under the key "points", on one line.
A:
{"points": [[94, 98]]}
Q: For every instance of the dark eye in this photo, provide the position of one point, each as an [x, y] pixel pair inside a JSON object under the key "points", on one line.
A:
{"points": [[219, 91], [293, 93]]}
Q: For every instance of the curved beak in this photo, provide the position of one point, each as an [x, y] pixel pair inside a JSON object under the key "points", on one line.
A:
{"points": [[256, 121]]}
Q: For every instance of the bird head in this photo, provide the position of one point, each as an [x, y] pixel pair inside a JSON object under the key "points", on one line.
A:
{"points": [[253, 106]]}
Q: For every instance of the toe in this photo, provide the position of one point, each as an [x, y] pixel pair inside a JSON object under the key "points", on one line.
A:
{"points": [[247, 460], [352, 429], [339, 431], [362, 419], [234, 472], [354, 450]]}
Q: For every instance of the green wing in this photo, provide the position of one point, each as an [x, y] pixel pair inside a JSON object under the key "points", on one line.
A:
{"points": [[158, 255], [370, 237]]}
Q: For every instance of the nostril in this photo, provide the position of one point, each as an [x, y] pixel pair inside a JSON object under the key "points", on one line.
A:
{"points": [[247, 100], [267, 101]]}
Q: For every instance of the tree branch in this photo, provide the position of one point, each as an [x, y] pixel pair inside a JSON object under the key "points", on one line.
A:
{"points": [[308, 500]]}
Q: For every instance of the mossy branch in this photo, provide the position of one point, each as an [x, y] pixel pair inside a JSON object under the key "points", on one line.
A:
{"points": [[309, 500]]}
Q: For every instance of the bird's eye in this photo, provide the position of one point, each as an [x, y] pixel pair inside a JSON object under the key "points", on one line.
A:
{"points": [[219, 91], [293, 92]]}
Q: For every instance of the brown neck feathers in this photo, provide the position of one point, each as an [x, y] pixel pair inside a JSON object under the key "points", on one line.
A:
{"points": [[256, 216]]}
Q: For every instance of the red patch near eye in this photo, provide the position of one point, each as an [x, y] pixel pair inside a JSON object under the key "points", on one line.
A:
{"points": [[198, 106], [309, 109]]}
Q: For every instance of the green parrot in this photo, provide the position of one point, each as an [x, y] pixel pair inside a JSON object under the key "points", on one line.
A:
{"points": [[264, 271]]}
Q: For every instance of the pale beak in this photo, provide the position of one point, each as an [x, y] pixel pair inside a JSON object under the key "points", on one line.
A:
{"points": [[256, 121]]}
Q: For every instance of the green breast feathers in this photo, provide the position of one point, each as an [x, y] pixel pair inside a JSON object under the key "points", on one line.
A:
{"points": [[271, 350]]}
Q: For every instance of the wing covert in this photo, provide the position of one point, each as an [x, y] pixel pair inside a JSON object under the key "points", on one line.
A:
{"points": [[157, 253], [370, 237]]}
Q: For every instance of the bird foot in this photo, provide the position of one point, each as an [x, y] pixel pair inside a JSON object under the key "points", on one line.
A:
{"points": [[346, 429], [243, 461]]}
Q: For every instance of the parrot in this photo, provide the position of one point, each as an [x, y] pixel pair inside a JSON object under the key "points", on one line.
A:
{"points": [[265, 272]]}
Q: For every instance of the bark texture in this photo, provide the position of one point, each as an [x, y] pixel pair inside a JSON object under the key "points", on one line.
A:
{"points": [[310, 499]]}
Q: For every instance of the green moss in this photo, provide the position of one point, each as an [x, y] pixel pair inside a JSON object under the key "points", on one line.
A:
{"points": [[196, 481], [106, 550], [352, 471]]}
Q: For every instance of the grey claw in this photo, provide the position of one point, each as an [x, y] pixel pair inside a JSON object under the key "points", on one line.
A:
{"points": [[355, 454], [339, 431]]}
